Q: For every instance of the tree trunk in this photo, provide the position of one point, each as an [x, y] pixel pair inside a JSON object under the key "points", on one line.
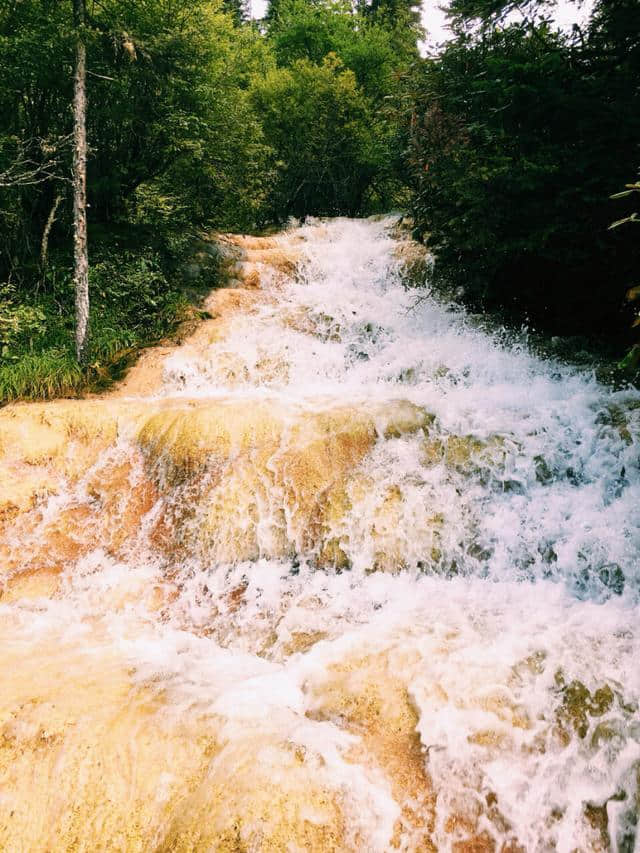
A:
{"points": [[80, 249], [44, 245]]}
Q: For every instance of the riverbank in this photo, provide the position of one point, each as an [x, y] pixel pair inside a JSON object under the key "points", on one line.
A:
{"points": [[145, 288]]}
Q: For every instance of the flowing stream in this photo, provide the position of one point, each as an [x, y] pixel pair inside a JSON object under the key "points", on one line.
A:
{"points": [[341, 572]]}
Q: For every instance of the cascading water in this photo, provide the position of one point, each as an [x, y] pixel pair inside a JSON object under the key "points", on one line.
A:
{"points": [[342, 572]]}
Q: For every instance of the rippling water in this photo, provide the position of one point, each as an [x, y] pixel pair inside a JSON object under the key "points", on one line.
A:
{"points": [[342, 572]]}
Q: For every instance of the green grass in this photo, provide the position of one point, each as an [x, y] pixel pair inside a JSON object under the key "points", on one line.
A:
{"points": [[41, 376], [54, 372], [139, 295], [137, 299], [48, 369]]}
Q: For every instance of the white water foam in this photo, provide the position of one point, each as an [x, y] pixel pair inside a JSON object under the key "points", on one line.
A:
{"points": [[560, 502]]}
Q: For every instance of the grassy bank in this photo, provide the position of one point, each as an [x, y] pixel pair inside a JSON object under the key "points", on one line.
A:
{"points": [[143, 290]]}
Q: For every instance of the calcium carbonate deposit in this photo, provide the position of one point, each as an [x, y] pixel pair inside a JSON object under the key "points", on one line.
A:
{"points": [[342, 572]]}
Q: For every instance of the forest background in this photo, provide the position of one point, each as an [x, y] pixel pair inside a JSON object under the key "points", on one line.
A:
{"points": [[515, 147]]}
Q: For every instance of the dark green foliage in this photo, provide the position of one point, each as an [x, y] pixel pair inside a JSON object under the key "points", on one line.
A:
{"points": [[517, 139], [513, 141], [392, 13], [374, 46], [238, 9], [466, 13], [303, 30], [169, 116], [137, 296], [177, 112], [631, 362], [174, 145], [323, 129], [326, 111]]}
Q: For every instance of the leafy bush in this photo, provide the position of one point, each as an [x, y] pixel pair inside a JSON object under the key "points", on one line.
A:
{"points": [[19, 324], [133, 305], [325, 137]]}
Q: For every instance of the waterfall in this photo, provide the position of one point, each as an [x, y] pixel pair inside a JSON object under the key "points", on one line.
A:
{"points": [[345, 570]]}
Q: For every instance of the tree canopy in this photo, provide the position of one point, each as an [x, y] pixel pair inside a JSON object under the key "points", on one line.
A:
{"points": [[506, 146], [518, 136]]}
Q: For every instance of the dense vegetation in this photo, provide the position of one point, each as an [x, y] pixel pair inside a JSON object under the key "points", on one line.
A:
{"points": [[507, 145], [197, 118], [519, 136]]}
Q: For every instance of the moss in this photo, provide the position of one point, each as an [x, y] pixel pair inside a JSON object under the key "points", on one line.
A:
{"points": [[579, 705]]}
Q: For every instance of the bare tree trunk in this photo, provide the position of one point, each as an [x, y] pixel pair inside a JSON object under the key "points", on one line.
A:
{"points": [[44, 245], [80, 249]]}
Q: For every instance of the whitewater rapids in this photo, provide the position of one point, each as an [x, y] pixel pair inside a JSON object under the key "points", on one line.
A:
{"points": [[342, 572]]}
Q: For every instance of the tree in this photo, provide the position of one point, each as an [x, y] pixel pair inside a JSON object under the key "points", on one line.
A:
{"points": [[238, 9], [320, 126], [631, 362], [36, 89], [391, 11], [80, 248], [363, 36], [517, 137], [467, 14], [175, 146], [336, 34]]}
